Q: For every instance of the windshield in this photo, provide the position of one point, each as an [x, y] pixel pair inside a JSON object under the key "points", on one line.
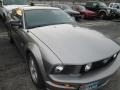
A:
{"points": [[82, 8], [65, 7], [16, 2], [44, 17], [102, 4]]}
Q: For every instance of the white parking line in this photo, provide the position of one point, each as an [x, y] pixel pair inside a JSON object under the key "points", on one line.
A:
{"points": [[3, 34]]}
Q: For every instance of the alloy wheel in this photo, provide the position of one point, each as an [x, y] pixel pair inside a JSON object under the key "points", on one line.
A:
{"points": [[33, 70]]}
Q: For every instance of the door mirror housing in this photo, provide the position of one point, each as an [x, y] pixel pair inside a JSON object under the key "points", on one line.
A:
{"points": [[16, 23]]}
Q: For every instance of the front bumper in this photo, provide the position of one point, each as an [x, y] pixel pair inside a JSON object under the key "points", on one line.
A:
{"points": [[74, 86], [71, 82]]}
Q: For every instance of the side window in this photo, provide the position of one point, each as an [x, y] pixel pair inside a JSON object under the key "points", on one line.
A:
{"points": [[111, 5], [116, 6], [95, 4], [89, 4]]}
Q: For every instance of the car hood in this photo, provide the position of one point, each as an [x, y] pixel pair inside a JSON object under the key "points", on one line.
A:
{"points": [[75, 45], [90, 12], [11, 7]]}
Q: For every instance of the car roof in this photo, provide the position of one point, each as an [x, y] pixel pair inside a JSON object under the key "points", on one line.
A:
{"points": [[37, 7]]}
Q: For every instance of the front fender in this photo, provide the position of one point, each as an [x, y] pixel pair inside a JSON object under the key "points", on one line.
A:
{"points": [[34, 49]]}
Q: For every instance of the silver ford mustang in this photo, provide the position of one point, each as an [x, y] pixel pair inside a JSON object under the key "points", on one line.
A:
{"points": [[60, 54]]}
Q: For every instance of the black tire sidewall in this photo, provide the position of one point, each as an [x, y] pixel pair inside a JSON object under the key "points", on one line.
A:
{"points": [[40, 81], [102, 13]]}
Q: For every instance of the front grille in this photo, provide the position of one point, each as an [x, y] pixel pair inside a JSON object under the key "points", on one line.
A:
{"points": [[98, 65]]}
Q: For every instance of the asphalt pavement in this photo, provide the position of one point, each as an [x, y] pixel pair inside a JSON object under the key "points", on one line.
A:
{"points": [[13, 71]]}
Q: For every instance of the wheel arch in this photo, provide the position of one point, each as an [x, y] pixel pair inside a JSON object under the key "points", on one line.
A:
{"points": [[35, 50], [103, 11]]}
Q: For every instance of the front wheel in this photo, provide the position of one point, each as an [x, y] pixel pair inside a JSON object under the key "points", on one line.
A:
{"points": [[35, 72], [102, 15]]}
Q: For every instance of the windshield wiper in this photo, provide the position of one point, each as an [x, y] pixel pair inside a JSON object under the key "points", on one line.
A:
{"points": [[30, 27]]}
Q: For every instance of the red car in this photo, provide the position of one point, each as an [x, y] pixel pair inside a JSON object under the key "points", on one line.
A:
{"points": [[85, 12]]}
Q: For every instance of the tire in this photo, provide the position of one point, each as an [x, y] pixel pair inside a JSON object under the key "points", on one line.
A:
{"points": [[35, 72], [102, 15], [77, 19]]}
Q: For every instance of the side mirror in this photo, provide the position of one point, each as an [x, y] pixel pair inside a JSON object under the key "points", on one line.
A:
{"points": [[1, 4], [16, 23]]}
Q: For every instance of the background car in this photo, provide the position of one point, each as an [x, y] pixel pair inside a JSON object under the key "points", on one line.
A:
{"points": [[6, 7], [69, 10], [101, 9], [60, 54], [116, 7], [85, 13]]}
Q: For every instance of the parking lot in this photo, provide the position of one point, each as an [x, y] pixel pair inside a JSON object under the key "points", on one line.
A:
{"points": [[13, 72]]}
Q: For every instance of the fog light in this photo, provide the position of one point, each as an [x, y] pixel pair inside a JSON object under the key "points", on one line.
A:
{"points": [[88, 67], [59, 69]]}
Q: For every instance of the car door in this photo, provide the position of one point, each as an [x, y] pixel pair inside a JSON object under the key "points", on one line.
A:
{"points": [[18, 33]]}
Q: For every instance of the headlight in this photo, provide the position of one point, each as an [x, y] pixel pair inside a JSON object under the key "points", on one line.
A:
{"points": [[115, 55], [88, 67], [59, 69]]}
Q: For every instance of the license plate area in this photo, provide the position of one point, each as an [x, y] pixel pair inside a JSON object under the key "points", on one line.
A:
{"points": [[90, 86]]}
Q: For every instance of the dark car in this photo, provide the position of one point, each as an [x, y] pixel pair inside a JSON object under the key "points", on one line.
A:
{"points": [[61, 55], [85, 13], [69, 10], [101, 9], [6, 7]]}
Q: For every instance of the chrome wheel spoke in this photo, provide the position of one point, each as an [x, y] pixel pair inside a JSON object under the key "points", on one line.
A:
{"points": [[33, 70]]}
